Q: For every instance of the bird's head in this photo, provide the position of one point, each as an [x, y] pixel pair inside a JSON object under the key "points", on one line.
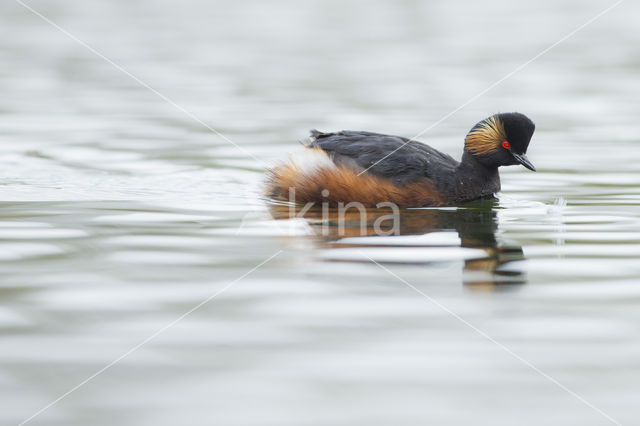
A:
{"points": [[501, 140]]}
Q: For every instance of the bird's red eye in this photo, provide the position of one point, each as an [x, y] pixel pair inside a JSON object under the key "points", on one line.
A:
{"points": [[506, 144]]}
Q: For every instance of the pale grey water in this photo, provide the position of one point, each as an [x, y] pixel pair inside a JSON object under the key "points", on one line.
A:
{"points": [[120, 213]]}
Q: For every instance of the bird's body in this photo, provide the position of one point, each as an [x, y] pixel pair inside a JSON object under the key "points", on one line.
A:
{"points": [[373, 168]]}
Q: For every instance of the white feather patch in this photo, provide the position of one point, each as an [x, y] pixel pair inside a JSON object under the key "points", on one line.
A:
{"points": [[311, 160]]}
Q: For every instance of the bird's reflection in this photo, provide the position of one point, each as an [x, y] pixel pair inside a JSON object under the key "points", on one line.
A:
{"points": [[475, 223]]}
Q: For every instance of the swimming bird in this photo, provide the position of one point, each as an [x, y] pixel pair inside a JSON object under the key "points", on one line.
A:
{"points": [[372, 168]]}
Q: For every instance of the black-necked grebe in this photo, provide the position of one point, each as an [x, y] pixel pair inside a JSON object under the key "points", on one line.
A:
{"points": [[372, 168]]}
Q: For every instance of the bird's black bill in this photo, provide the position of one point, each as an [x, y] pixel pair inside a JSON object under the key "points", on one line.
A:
{"points": [[522, 159]]}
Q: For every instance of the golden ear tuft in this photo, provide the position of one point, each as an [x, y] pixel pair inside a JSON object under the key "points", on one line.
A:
{"points": [[486, 138]]}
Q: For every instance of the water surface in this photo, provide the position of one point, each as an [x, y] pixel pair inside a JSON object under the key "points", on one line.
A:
{"points": [[120, 212]]}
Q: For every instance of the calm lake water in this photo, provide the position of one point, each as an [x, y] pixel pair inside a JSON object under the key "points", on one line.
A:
{"points": [[120, 212]]}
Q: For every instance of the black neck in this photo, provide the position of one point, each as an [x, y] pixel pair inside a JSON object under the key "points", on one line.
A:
{"points": [[476, 178]]}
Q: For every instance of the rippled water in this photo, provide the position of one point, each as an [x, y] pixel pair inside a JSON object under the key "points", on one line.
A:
{"points": [[121, 212]]}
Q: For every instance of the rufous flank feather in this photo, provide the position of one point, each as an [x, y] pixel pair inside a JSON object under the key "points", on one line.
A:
{"points": [[334, 184]]}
